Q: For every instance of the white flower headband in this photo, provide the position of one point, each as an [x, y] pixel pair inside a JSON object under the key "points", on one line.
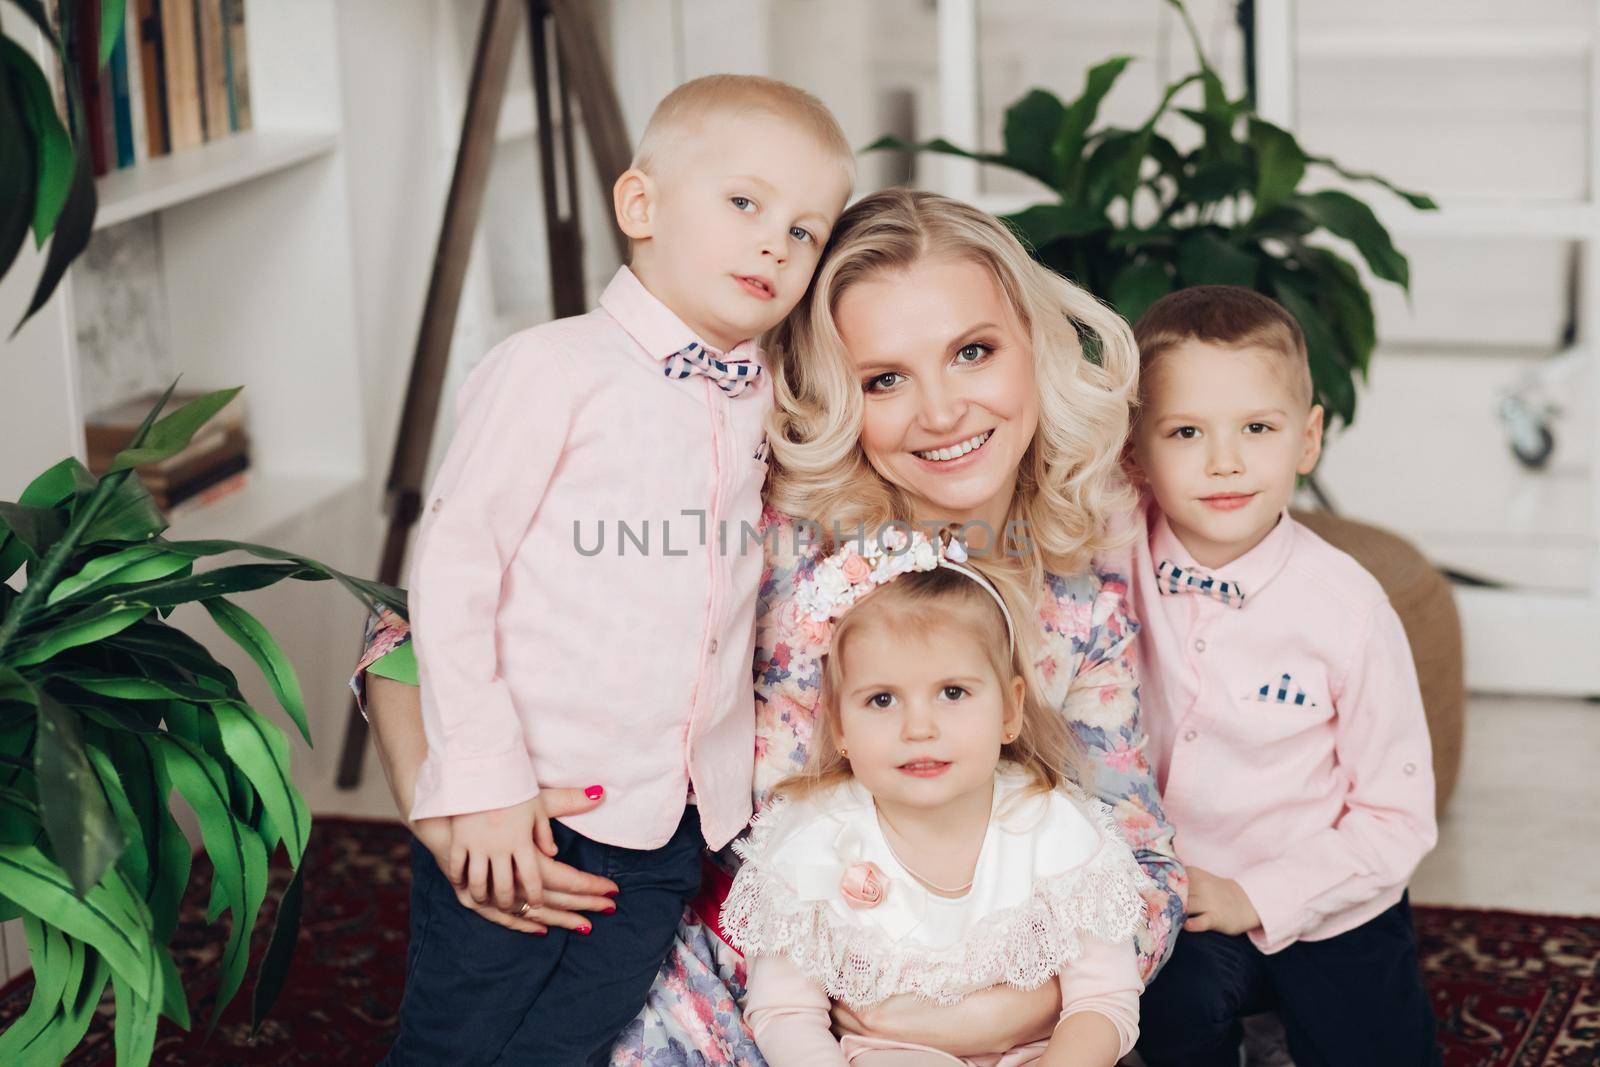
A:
{"points": [[858, 568]]}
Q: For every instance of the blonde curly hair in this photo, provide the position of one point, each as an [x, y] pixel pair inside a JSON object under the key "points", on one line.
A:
{"points": [[1069, 483]]}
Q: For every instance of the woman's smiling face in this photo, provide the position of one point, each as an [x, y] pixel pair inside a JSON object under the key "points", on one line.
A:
{"points": [[950, 398]]}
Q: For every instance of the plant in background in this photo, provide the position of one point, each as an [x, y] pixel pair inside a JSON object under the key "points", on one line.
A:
{"points": [[46, 176], [1135, 218], [105, 708]]}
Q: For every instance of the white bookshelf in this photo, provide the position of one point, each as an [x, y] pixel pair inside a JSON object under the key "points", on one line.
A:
{"points": [[256, 264], [170, 180]]}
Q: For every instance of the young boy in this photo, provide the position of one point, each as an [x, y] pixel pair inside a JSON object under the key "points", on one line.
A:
{"points": [[1285, 723], [546, 662]]}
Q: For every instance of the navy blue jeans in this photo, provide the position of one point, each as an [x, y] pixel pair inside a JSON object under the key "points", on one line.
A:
{"points": [[1356, 998], [478, 993]]}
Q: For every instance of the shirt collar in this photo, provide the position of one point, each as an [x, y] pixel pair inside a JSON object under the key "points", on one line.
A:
{"points": [[652, 324], [1251, 572]]}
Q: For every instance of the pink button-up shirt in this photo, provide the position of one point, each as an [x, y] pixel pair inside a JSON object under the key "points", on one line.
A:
{"points": [[1287, 735], [582, 591]]}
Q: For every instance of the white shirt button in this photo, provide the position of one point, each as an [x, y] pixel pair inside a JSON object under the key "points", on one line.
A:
{"points": [[1410, 768], [713, 648], [1190, 735], [437, 504], [1200, 645]]}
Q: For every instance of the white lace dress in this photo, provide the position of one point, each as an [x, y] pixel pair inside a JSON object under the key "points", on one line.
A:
{"points": [[825, 912]]}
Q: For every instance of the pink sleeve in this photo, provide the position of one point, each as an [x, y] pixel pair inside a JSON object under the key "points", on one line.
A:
{"points": [[1381, 742], [789, 1015], [1105, 980], [513, 419]]}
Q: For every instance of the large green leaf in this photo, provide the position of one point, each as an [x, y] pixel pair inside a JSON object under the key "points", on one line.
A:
{"points": [[1420, 201], [1043, 224], [172, 433], [375, 595], [1113, 169], [1206, 259], [74, 224], [254, 638], [18, 169], [1139, 286], [1345, 216], [53, 147], [86, 627], [109, 916], [260, 750], [280, 950], [137, 1018], [131, 566], [57, 974], [1074, 132], [1328, 374], [1280, 164], [1031, 127], [58, 484], [1349, 306], [37, 528], [238, 857], [83, 831], [130, 513]]}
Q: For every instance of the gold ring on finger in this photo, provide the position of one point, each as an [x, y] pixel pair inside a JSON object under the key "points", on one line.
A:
{"points": [[523, 911]]}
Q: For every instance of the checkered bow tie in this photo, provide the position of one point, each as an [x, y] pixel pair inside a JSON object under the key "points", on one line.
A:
{"points": [[1176, 579], [732, 376]]}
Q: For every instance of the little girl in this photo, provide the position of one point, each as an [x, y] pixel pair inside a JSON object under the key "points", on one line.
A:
{"points": [[932, 846]]}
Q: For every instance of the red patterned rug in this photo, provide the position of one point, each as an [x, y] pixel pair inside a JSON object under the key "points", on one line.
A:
{"points": [[1510, 990]]}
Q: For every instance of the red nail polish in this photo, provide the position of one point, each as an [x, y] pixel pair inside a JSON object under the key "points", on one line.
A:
{"points": [[610, 893], [583, 930], [594, 792], [609, 911]]}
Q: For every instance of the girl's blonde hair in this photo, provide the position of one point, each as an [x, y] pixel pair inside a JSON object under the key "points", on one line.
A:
{"points": [[916, 603], [1069, 483]]}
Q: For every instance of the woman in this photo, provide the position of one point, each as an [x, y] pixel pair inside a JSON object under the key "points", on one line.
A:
{"points": [[934, 373]]}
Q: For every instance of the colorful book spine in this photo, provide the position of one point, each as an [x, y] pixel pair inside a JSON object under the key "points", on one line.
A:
{"points": [[136, 101], [213, 69], [185, 124], [153, 69], [121, 103], [238, 65], [86, 49]]}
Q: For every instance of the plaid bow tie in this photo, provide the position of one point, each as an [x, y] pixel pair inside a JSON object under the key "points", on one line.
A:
{"points": [[1175, 579], [732, 376]]}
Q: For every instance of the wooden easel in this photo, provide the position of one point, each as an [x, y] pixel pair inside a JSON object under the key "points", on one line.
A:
{"points": [[580, 71]]}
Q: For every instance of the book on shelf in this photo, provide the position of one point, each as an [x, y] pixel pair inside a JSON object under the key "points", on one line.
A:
{"points": [[182, 51], [138, 132], [116, 75], [178, 78], [219, 451], [86, 53], [213, 69], [238, 65], [146, 17], [208, 496]]}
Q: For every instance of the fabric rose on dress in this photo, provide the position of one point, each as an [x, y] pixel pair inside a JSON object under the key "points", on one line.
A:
{"points": [[856, 570], [863, 885]]}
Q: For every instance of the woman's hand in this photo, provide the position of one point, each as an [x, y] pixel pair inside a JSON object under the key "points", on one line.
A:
{"points": [[395, 711], [991, 1020]]}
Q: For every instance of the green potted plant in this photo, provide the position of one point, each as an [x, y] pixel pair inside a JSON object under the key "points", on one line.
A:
{"points": [[105, 708], [1131, 217]]}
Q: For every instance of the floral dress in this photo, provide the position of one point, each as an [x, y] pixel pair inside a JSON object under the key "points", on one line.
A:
{"points": [[692, 1016]]}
